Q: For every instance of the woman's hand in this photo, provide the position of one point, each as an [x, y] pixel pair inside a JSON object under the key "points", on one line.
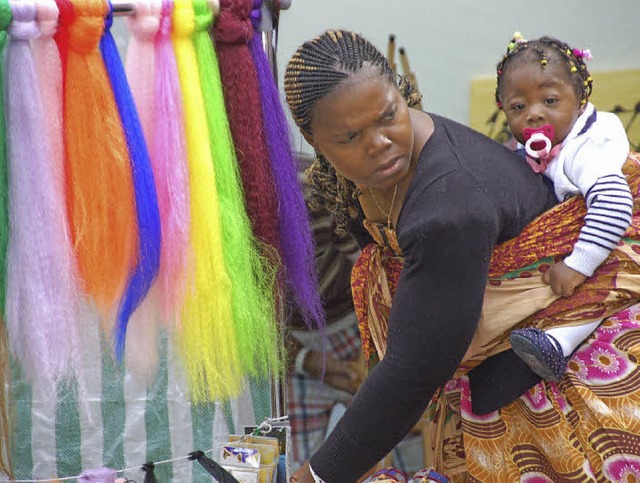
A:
{"points": [[563, 280], [303, 475], [343, 375]]}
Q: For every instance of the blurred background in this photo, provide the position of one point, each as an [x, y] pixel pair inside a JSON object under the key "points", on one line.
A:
{"points": [[453, 46]]}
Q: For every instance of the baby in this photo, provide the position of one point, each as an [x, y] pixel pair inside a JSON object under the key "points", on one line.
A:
{"points": [[544, 88]]}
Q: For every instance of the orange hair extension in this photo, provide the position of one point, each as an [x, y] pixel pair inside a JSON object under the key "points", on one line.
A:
{"points": [[100, 200]]}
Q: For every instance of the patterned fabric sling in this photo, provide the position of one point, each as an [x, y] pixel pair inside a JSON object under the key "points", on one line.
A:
{"points": [[579, 429]]}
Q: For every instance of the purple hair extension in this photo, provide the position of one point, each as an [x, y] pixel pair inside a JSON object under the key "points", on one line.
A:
{"points": [[41, 303], [297, 247], [98, 475]]}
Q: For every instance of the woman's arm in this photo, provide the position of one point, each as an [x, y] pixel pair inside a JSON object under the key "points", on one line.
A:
{"points": [[435, 312]]}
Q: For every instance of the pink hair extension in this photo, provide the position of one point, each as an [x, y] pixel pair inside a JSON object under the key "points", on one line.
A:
{"points": [[169, 162], [140, 62], [141, 355]]}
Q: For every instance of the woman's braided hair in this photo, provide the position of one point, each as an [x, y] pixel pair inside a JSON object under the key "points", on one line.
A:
{"points": [[314, 71], [545, 50]]}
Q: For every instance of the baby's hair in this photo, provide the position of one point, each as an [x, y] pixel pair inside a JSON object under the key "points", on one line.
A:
{"points": [[314, 71], [545, 50]]}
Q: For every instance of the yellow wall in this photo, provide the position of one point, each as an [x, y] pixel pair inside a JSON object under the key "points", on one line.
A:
{"points": [[610, 89]]}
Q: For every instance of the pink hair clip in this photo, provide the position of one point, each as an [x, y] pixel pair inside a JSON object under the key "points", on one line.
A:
{"points": [[583, 54]]}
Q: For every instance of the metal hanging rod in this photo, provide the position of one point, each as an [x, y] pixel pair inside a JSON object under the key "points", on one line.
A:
{"points": [[122, 8]]}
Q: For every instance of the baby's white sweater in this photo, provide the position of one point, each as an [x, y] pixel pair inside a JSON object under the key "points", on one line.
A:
{"points": [[590, 163]]}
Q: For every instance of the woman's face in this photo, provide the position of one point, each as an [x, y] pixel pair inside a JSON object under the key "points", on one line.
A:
{"points": [[533, 97], [363, 129]]}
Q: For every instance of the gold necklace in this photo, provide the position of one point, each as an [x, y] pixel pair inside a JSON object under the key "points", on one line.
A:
{"points": [[393, 201]]}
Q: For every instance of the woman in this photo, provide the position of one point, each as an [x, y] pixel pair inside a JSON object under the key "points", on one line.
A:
{"points": [[435, 193]]}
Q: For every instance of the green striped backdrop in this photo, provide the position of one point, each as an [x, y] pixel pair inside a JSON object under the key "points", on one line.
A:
{"points": [[120, 422]]}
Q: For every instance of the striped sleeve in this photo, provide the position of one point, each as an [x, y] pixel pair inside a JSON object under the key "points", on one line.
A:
{"points": [[609, 209]]}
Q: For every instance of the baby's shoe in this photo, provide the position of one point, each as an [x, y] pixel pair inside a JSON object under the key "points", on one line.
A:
{"points": [[540, 351]]}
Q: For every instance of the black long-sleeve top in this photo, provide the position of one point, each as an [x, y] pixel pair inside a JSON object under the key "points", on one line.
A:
{"points": [[468, 194]]}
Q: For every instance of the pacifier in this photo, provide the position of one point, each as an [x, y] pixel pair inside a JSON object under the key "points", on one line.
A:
{"points": [[538, 140]]}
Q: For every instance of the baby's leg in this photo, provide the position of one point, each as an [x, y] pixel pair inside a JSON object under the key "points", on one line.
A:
{"points": [[570, 338], [547, 352]]}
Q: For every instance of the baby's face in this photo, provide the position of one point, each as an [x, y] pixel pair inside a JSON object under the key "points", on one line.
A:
{"points": [[532, 97]]}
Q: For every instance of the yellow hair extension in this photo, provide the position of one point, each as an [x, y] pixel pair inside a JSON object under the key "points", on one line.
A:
{"points": [[207, 336]]}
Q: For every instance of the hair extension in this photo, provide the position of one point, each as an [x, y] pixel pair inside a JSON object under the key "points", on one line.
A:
{"points": [[149, 472], [147, 214], [169, 160], [542, 50], [212, 467], [100, 199], [232, 30], [315, 70], [251, 277], [5, 20], [97, 475], [41, 303], [142, 357], [49, 71], [6, 423], [207, 335], [66, 16], [141, 347], [298, 246], [140, 60]]}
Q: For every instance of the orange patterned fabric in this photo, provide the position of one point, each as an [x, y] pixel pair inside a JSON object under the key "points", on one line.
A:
{"points": [[373, 284], [583, 428]]}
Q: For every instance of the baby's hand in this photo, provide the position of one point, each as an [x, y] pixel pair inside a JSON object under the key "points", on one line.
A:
{"points": [[563, 280]]}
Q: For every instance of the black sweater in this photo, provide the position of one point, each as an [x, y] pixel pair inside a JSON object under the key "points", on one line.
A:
{"points": [[468, 194]]}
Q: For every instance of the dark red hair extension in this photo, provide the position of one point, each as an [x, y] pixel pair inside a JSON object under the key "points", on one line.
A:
{"points": [[232, 31]]}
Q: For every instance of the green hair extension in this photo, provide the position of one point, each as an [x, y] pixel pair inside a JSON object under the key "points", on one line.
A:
{"points": [[252, 277]]}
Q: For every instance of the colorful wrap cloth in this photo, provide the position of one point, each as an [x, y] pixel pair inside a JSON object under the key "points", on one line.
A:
{"points": [[586, 424]]}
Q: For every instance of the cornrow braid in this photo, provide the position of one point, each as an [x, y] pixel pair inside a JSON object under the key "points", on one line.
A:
{"points": [[547, 49], [321, 64], [314, 71]]}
